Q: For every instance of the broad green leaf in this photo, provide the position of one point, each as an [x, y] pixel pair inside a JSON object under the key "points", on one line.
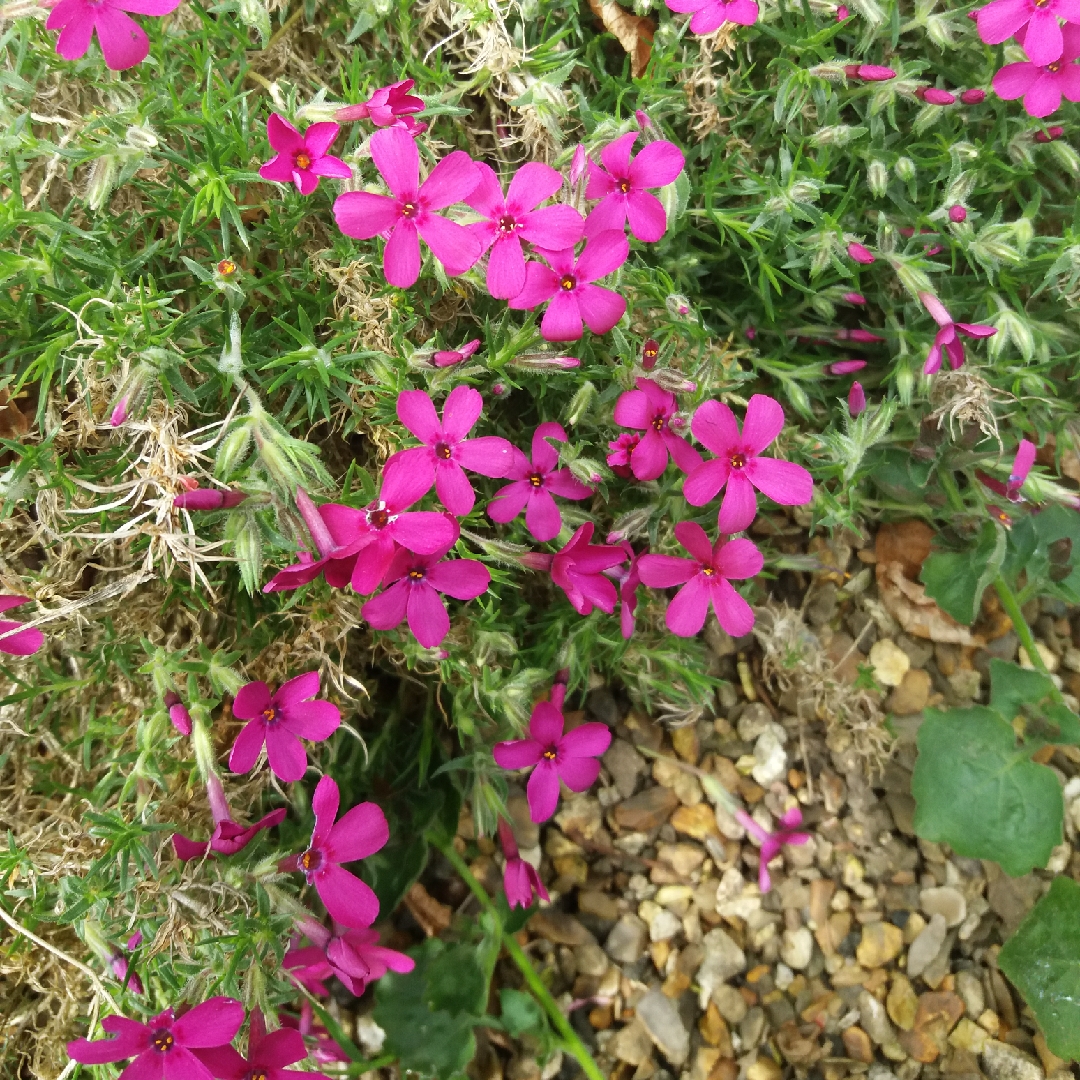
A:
{"points": [[976, 790], [956, 580], [520, 1012], [455, 982], [1030, 696], [1042, 960]]}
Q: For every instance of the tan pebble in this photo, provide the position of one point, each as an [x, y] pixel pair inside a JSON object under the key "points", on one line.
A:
{"points": [[797, 986], [795, 779], [821, 893], [902, 1003], [600, 1018], [969, 1036], [920, 1045], [748, 996], [764, 1068], [714, 1030], [660, 951], [572, 868], [592, 902], [911, 695], [889, 661], [686, 743], [938, 1012], [645, 811], [725, 1069], [849, 975], [960, 1062], [696, 821], [705, 1060], [878, 979], [881, 942], [857, 1044], [915, 925], [675, 984], [799, 1045], [989, 1022], [759, 972], [834, 1070]]}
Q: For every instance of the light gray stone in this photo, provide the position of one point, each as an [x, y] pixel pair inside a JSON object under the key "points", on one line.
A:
{"points": [[627, 940], [972, 994], [1004, 1062], [723, 960], [664, 1025], [796, 948], [926, 946]]}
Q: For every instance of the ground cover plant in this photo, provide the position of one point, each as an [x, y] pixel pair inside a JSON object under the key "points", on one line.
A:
{"points": [[378, 379]]}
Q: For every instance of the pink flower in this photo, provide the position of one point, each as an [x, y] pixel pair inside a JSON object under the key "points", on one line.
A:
{"points": [[957, 214], [651, 409], [209, 499], [568, 284], [178, 714], [623, 452], [121, 966], [163, 1047], [268, 1055], [739, 463], [621, 185], [946, 337], [578, 164], [853, 297], [856, 400], [520, 879], [1025, 458], [705, 580], [409, 210], [514, 218], [228, 837], [354, 956], [628, 579], [1038, 19], [280, 722], [14, 640], [860, 254], [869, 72], [360, 833], [845, 367], [650, 351], [450, 357], [710, 15], [578, 569], [771, 843], [572, 758], [973, 97], [415, 582], [326, 1051], [120, 412], [534, 483], [1043, 85], [446, 452], [387, 107], [123, 41], [302, 159], [842, 13], [933, 96]]}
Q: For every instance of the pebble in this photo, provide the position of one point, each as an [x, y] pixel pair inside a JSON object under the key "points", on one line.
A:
{"points": [[889, 661], [764, 1068], [664, 1025], [632, 1043], [626, 766], [646, 811], [926, 946], [1049, 658], [580, 815], [874, 1019], [753, 721], [715, 1032], [797, 948], [731, 1004], [560, 928], [1004, 1062], [920, 1046], [627, 940], [698, 821], [969, 1036], [590, 960], [880, 943], [664, 925], [723, 960], [752, 1027], [945, 901], [600, 904], [686, 743], [970, 989], [684, 859], [857, 1044], [902, 1003], [770, 758], [912, 694]]}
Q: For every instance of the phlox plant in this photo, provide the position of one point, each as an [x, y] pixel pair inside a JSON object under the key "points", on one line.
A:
{"points": [[375, 386]]}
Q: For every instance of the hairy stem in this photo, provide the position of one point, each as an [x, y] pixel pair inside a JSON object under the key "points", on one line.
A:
{"points": [[1012, 608]]}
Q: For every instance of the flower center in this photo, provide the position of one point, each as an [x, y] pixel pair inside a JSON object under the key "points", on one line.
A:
{"points": [[416, 575], [708, 571], [567, 283], [379, 517], [624, 187], [1055, 66], [738, 461], [269, 715], [257, 1074], [226, 268], [658, 421], [311, 860], [408, 210], [442, 450], [162, 1040], [550, 753], [507, 225], [301, 160], [536, 480], [1041, 3], [651, 352]]}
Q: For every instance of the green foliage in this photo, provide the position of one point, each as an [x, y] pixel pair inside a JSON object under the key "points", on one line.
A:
{"points": [[975, 785], [957, 580], [1042, 960]]}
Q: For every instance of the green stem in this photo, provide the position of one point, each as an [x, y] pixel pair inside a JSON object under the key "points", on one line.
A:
{"points": [[570, 1037], [1023, 631], [952, 492]]}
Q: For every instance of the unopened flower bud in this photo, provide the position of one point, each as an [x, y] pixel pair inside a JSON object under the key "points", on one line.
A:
{"points": [[208, 499], [500, 390], [1050, 134], [678, 305], [877, 177], [577, 164], [536, 560], [869, 72], [674, 382], [141, 137], [905, 169], [539, 361], [845, 367], [934, 96], [588, 471], [642, 117], [233, 449], [750, 332], [227, 269], [957, 214], [178, 714], [629, 525], [853, 297], [842, 13], [101, 181], [974, 96], [856, 399], [860, 253], [905, 385], [580, 403]]}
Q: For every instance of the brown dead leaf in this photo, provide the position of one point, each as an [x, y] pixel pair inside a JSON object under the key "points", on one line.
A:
{"points": [[904, 542], [432, 916], [13, 423], [634, 32], [906, 601]]}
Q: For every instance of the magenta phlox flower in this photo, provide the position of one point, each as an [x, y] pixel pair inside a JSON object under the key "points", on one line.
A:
{"points": [[947, 338], [1025, 458], [209, 499], [845, 367], [520, 879], [413, 584], [572, 757], [534, 485], [361, 832], [739, 464], [268, 1055], [569, 284], [302, 159], [622, 453], [450, 357], [934, 95], [622, 184], [179, 717], [627, 578], [1042, 86], [16, 640], [578, 569], [446, 451], [389, 106], [772, 842], [163, 1047], [123, 41], [710, 15], [651, 409], [515, 218], [121, 966], [326, 1051], [281, 721], [228, 837], [705, 580], [409, 212], [353, 955], [1038, 19]]}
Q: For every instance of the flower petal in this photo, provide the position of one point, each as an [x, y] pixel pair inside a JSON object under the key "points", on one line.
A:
{"points": [[543, 518], [714, 425], [764, 420], [542, 791], [663, 571], [249, 742], [416, 411], [552, 227], [401, 256], [600, 308], [517, 753], [702, 484], [286, 754], [454, 489], [461, 411], [395, 155], [657, 165], [540, 284], [348, 900], [506, 268], [451, 181], [24, 642], [423, 531], [313, 720], [463, 579], [616, 155], [562, 320], [739, 559], [782, 481], [328, 165], [650, 457], [487, 197], [732, 612], [693, 539], [361, 214], [387, 610], [509, 501], [1014, 80], [123, 41], [532, 184], [579, 773], [73, 42], [452, 244], [324, 805], [999, 20], [686, 613], [131, 1038], [586, 740], [318, 138], [604, 253], [213, 1023], [739, 506], [429, 620], [359, 833], [608, 215], [295, 690], [645, 212], [1042, 40]]}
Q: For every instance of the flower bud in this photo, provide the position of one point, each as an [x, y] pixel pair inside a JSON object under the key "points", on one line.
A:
{"points": [[869, 72], [834, 72], [642, 118], [933, 96], [629, 525], [580, 403], [227, 269], [678, 305], [539, 361], [201, 742], [877, 178], [588, 471], [140, 137], [577, 164], [208, 499], [860, 253], [500, 390], [233, 448], [853, 297], [905, 385], [957, 214], [649, 353], [856, 399], [905, 169], [536, 560], [243, 530], [973, 97], [101, 181], [178, 714], [842, 13], [674, 382], [845, 367], [1050, 134], [1065, 154]]}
